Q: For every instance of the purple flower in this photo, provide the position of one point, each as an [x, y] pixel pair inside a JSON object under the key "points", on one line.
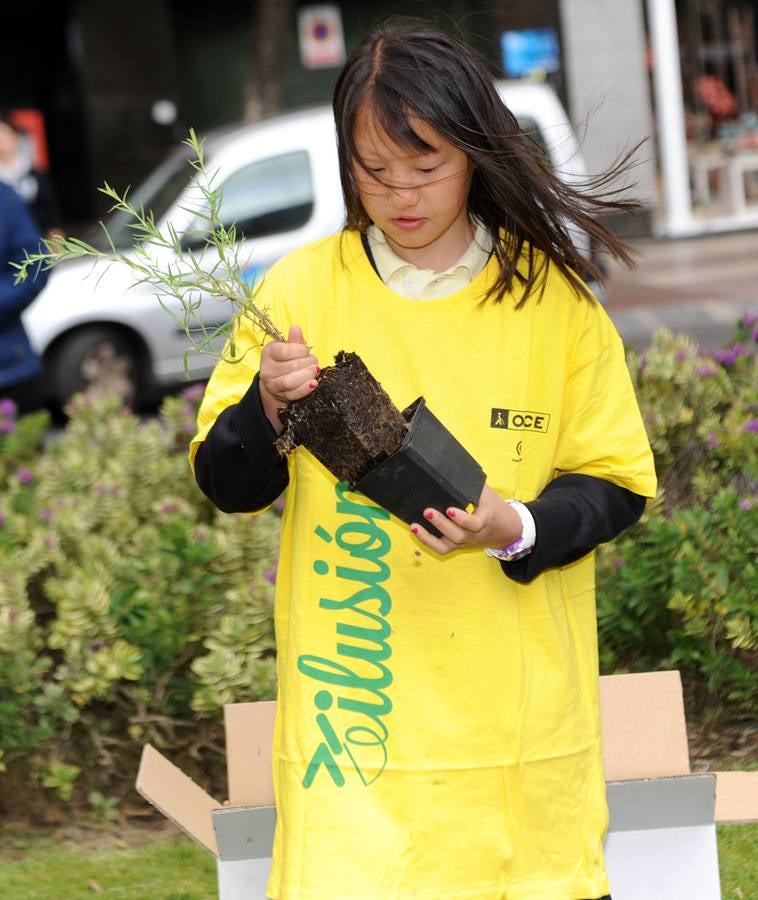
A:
{"points": [[751, 425], [746, 505], [7, 426], [194, 392], [681, 355], [2, 520], [723, 357], [46, 514], [749, 319], [711, 441], [25, 476], [755, 335], [706, 371], [728, 357], [8, 408]]}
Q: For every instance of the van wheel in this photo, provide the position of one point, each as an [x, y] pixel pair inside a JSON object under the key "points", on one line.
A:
{"points": [[99, 360]]}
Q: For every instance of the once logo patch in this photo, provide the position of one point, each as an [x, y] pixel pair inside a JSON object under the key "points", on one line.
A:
{"points": [[519, 420]]}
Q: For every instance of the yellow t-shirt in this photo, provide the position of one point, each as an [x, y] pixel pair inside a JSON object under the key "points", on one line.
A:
{"points": [[438, 729]]}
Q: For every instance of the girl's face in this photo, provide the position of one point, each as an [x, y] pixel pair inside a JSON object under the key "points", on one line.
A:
{"points": [[417, 198]]}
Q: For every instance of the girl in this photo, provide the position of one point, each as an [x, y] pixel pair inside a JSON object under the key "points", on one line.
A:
{"points": [[438, 729]]}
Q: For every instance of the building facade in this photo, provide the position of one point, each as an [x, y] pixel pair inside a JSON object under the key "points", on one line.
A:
{"points": [[114, 86]]}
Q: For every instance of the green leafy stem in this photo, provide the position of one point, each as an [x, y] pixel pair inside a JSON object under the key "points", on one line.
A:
{"points": [[181, 274]]}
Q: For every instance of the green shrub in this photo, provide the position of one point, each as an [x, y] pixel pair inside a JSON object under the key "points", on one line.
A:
{"points": [[130, 610], [679, 592], [680, 588], [700, 410]]}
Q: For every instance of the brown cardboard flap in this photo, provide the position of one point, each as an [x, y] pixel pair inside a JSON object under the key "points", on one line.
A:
{"points": [[644, 730], [177, 796], [737, 796], [249, 739]]}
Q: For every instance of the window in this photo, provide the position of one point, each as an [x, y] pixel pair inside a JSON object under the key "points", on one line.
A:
{"points": [[269, 196], [158, 193]]}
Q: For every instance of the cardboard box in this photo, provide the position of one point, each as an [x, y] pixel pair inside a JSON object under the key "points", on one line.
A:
{"points": [[662, 836]]}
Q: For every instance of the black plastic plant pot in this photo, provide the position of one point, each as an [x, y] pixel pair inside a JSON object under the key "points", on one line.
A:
{"points": [[430, 469]]}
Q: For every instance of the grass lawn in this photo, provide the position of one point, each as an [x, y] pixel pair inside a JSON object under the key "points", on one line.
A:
{"points": [[173, 868], [738, 861], [167, 868]]}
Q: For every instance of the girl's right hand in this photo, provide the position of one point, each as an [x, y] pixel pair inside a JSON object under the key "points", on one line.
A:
{"points": [[288, 372]]}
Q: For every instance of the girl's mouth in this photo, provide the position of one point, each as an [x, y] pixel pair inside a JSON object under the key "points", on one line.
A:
{"points": [[407, 223]]}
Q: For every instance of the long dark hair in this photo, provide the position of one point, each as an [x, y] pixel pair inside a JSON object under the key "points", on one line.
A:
{"points": [[416, 69]]}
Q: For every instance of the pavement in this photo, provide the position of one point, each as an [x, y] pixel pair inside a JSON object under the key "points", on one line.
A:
{"points": [[699, 286]]}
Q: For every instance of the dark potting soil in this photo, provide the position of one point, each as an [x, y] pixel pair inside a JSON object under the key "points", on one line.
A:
{"points": [[348, 423]]}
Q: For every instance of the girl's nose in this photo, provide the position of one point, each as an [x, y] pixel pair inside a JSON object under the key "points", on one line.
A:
{"points": [[403, 197]]}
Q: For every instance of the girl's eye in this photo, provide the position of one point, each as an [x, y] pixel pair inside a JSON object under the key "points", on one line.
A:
{"points": [[428, 171], [375, 171]]}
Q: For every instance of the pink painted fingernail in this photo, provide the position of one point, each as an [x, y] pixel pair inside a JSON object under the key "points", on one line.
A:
{"points": [[312, 384], [318, 370], [414, 529], [451, 513], [428, 514]]}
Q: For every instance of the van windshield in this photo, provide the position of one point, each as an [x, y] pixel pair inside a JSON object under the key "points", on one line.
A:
{"points": [[157, 193]]}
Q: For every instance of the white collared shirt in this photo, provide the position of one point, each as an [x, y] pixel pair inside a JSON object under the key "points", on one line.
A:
{"points": [[423, 284]]}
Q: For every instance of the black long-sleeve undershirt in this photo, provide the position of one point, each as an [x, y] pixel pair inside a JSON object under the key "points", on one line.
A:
{"points": [[237, 466], [240, 470], [572, 516]]}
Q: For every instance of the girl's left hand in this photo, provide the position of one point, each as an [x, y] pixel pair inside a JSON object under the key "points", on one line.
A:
{"points": [[494, 523]]}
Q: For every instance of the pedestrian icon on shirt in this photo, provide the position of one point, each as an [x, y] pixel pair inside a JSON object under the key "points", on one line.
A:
{"points": [[499, 418]]}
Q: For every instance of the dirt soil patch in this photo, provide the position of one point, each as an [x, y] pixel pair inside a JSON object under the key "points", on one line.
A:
{"points": [[85, 836], [728, 745]]}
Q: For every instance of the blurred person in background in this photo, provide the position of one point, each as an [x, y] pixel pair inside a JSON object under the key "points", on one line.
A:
{"points": [[31, 184], [20, 366], [718, 101]]}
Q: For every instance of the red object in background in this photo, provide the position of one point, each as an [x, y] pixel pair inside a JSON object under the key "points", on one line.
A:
{"points": [[716, 96], [33, 123]]}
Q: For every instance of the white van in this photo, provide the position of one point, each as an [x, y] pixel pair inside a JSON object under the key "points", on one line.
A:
{"points": [[280, 181]]}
